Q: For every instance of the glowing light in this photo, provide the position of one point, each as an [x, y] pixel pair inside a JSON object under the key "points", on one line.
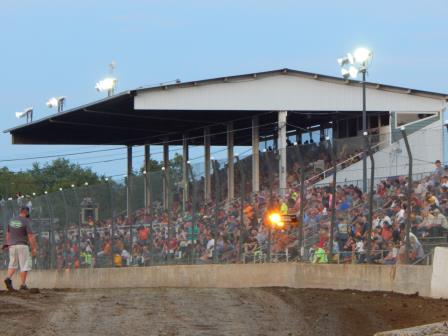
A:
{"points": [[353, 71], [350, 58], [362, 55], [275, 218], [106, 84]]}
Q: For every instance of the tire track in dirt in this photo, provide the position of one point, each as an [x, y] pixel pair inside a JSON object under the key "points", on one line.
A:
{"points": [[190, 311]]}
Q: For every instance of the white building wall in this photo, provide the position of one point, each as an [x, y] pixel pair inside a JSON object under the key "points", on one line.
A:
{"points": [[426, 145], [281, 92]]}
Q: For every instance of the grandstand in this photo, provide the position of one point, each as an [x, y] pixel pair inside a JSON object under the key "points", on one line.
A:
{"points": [[292, 122]]}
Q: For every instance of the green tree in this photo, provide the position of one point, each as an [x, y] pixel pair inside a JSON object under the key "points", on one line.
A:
{"points": [[50, 177]]}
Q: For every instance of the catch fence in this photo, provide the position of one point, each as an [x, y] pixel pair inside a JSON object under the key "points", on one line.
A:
{"points": [[178, 217]]}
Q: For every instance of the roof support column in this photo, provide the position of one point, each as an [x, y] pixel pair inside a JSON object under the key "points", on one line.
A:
{"points": [[207, 177], [166, 182], [185, 158], [255, 155], [299, 136], [129, 182], [230, 165], [147, 179], [282, 151]]}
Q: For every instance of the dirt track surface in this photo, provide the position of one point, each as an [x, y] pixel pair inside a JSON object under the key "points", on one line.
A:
{"points": [[178, 311]]}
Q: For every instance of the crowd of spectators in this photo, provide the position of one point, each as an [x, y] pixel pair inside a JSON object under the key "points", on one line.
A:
{"points": [[240, 231]]}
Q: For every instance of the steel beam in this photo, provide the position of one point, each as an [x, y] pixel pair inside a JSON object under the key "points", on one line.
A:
{"points": [[207, 177], [282, 115], [230, 163], [255, 155]]}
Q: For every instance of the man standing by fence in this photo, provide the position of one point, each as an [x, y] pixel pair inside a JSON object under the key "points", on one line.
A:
{"points": [[18, 239]]}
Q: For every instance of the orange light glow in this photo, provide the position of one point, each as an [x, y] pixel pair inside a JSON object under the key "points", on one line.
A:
{"points": [[275, 218]]}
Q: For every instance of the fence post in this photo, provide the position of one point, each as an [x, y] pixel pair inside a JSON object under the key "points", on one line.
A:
{"points": [[333, 201], [271, 199], [368, 147], [64, 248], [242, 191], [408, 194], [50, 232], [301, 233], [112, 212], [165, 197], [217, 200], [193, 212], [128, 185], [147, 176], [78, 217]]}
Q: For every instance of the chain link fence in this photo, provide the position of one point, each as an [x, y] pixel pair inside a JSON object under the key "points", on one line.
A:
{"points": [[164, 217]]}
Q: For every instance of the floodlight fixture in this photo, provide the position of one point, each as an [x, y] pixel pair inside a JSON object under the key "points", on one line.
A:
{"points": [[362, 55], [34, 194], [365, 133], [86, 183], [107, 84], [351, 66], [144, 172], [350, 58], [341, 61], [28, 113], [353, 71], [106, 179], [57, 102], [345, 73], [60, 189], [45, 192], [73, 185]]}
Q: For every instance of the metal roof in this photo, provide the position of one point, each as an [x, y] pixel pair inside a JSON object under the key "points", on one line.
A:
{"points": [[309, 75], [114, 120]]}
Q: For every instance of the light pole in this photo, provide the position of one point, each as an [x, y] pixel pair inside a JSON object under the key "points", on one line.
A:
{"points": [[28, 113], [108, 84], [351, 65], [57, 102]]}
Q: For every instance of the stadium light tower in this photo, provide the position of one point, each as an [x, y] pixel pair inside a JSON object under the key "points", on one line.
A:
{"points": [[28, 113], [56, 102], [351, 66], [109, 83]]}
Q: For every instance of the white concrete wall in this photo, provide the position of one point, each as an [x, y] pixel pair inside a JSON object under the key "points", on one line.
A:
{"points": [[426, 145], [281, 92], [439, 280], [401, 279]]}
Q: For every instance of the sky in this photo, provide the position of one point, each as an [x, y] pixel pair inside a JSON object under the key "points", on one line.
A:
{"points": [[62, 48]]}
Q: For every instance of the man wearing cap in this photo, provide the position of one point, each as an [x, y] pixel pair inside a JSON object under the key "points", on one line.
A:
{"points": [[18, 238]]}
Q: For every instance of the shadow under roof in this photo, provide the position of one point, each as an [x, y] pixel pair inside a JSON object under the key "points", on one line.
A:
{"points": [[114, 121]]}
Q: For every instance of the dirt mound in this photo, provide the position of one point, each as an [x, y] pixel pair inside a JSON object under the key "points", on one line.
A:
{"points": [[179, 311]]}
